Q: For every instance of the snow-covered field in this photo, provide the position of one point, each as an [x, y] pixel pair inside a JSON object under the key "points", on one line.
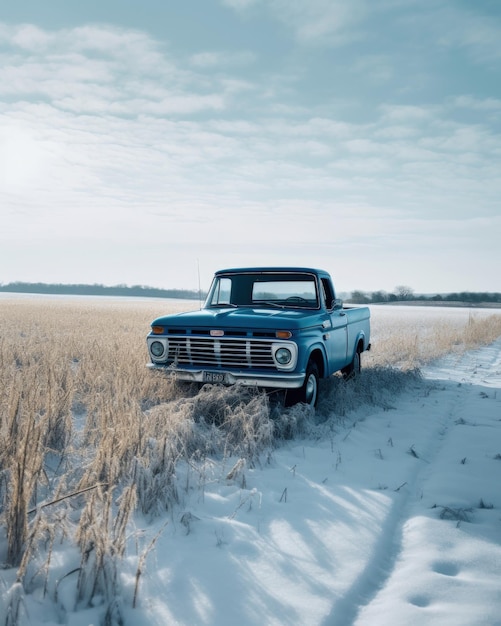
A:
{"points": [[393, 518], [387, 515]]}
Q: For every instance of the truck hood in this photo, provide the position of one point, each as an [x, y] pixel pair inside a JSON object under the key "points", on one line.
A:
{"points": [[244, 318]]}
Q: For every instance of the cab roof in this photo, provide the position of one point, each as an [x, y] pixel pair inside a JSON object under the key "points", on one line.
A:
{"points": [[274, 269]]}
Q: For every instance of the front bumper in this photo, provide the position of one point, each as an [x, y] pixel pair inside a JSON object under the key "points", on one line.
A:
{"points": [[268, 379]]}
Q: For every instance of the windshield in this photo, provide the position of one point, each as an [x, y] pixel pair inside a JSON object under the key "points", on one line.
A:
{"points": [[265, 289]]}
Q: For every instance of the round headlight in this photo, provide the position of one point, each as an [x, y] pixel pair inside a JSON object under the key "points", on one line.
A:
{"points": [[283, 356], [157, 349]]}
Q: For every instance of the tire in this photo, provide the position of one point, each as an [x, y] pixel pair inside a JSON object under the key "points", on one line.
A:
{"points": [[354, 368], [308, 393]]}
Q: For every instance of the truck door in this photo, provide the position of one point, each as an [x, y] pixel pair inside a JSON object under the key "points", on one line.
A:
{"points": [[335, 329]]}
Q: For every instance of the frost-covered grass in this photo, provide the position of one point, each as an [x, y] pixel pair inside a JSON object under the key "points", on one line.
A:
{"points": [[91, 439]]}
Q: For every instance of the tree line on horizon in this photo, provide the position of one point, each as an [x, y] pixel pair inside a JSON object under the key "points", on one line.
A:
{"points": [[400, 294], [136, 291], [405, 294]]}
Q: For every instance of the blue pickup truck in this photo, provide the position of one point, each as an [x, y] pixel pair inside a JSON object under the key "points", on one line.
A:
{"points": [[271, 327]]}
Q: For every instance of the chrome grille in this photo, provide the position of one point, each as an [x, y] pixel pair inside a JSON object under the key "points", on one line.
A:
{"points": [[211, 352]]}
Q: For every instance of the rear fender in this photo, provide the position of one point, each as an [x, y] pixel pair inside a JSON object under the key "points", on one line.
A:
{"points": [[360, 344]]}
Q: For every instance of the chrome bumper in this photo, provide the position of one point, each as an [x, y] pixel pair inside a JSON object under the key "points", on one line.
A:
{"points": [[278, 380]]}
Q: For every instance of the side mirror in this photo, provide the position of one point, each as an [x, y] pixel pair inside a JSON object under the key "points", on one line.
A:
{"points": [[337, 304]]}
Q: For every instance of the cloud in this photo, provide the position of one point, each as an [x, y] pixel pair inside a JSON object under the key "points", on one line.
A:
{"points": [[103, 70], [469, 29], [331, 22], [478, 104], [316, 21], [405, 112], [473, 28], [240, 5], [216, 59], [28, 37]]}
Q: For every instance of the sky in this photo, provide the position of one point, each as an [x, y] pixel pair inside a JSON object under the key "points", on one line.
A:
{"points": [[155, 142]]}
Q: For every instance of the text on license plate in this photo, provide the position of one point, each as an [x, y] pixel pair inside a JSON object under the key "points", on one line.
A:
{"points": [[214, 377]]}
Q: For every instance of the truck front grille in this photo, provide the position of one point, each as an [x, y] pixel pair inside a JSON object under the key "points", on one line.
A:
{"points": [[210, 352]]}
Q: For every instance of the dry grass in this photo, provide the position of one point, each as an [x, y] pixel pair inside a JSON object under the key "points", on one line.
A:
{"points": [[89, 435], [416, 337]]}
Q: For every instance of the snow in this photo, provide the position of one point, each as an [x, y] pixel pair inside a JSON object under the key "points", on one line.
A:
{"points": [[393, 516], [353, 529]]}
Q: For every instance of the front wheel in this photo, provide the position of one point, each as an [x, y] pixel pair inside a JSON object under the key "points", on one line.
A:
{"points": [[354, 368], [308, 393]]}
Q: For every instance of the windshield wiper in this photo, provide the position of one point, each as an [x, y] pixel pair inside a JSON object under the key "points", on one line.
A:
{"points": [[224, 305], [268, 302]]}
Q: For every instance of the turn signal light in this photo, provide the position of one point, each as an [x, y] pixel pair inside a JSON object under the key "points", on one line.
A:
{"points": [[157, 330], [283, 334]]}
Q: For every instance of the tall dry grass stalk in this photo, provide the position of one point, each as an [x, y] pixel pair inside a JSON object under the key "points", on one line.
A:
{"points": [[89, 435]]}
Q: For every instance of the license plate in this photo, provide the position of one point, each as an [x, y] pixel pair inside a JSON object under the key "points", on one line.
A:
{"points": [[214, 377]]}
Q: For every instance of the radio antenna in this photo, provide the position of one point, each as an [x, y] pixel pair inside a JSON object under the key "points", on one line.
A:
{"points": [[199, 286]]}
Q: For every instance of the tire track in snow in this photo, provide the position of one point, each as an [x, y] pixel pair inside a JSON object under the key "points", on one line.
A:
{"points": [[388, 546]]}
